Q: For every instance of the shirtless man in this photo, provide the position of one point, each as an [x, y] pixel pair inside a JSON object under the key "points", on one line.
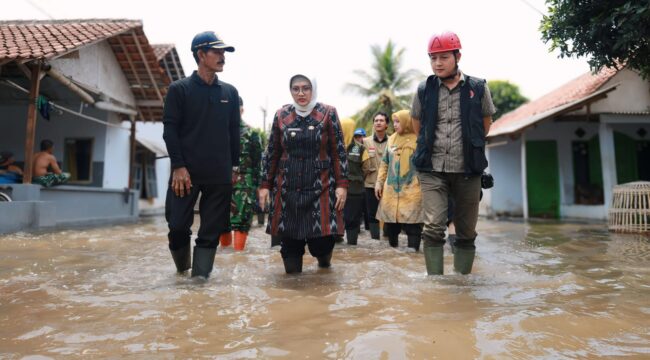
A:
{"points": [[43, 161]]}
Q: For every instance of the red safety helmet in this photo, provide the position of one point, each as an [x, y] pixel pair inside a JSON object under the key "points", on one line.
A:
{"points": [[446, 41]]}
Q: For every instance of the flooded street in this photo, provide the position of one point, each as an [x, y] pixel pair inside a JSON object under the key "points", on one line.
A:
{"points": [[538, 291]]}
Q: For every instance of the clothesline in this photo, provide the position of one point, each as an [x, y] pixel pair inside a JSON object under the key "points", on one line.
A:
{"points": [[62, 108]]}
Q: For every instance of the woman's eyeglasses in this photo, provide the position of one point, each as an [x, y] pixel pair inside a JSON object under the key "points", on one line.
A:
{"points": [[297, 89]]}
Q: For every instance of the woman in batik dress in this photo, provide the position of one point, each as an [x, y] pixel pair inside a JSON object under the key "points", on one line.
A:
{"points": [[305, 174]]}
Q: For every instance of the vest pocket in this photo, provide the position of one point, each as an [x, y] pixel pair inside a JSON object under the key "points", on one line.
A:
{"points": [[478, 161]]}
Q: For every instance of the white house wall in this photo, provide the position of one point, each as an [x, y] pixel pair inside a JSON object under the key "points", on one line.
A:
{"points": [[631, 96], [116, 174], [98, 69], [505, 198]]}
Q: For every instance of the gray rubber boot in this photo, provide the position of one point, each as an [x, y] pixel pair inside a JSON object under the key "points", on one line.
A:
{"points": [[434, 260], [463, 260], [292, 265], [203, 261], [260, 218], [374, 230], [414, 241], [182, 259], [352, 236], [325, 261]]}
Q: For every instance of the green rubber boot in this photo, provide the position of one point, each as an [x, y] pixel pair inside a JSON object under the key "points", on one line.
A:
{"points": [[182, 259], [203, 261], [433, 259], [463, 260]]}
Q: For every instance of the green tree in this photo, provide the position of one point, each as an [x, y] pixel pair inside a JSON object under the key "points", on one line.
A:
{"points": [[506, 97], [610, 33], [386, 86]]}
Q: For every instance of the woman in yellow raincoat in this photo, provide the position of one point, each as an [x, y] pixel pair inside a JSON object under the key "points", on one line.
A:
{"points": [[398, 186]]}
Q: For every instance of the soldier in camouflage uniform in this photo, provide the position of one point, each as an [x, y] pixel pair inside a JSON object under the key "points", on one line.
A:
{"points": [[246, 180]]}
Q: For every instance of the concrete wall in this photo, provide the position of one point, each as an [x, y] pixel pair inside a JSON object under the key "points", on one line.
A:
{"points": [[505, 198], [35, 207], [97, 68]]}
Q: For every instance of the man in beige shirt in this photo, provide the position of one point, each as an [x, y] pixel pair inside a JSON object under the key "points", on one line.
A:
{"points": [[375, 146]]}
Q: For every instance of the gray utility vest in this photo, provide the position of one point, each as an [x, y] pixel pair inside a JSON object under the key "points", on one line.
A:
{"points": [[471, 119], [355, 171]]}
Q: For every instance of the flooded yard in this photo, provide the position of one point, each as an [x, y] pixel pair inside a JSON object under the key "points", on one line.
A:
{"points": [[538, 291]]}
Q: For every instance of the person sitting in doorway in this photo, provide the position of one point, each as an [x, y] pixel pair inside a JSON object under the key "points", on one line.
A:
{"points": [[43, 162]]}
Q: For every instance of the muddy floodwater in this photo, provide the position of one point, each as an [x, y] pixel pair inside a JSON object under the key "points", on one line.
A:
{"points": [[538, 291]]}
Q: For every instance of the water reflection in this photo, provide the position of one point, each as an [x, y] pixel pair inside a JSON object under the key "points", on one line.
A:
{"points": [[539, 290]]}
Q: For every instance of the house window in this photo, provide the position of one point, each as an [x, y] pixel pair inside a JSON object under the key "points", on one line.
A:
{"points": [[587, 172], [78, 160]]}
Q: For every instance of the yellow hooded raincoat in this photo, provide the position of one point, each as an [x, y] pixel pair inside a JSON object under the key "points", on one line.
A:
{"points": [[401, 201]]}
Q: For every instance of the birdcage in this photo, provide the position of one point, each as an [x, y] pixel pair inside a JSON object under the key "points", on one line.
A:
{"points": [[630, 210]]}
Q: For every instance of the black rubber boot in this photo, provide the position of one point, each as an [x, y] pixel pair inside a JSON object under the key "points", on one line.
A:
{"points": [[463, 260], [182, 259], [292, 265], [203, 261], [374, 230], [414, 242], [260, 218], [352, 236], [434, 260], [275, 240], [393, 240], [325, 261]]}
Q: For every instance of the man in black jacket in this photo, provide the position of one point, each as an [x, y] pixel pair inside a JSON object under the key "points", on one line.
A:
{"points": [[201, 120]]}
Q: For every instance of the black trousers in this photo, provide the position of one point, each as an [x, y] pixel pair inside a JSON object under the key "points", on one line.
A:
{"points": [[214, 209], [393, 229], [296, 247], [371, 205], [353, 211]]}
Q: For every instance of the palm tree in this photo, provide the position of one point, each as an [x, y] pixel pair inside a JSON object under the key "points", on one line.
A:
{"points": [[388, 88]]}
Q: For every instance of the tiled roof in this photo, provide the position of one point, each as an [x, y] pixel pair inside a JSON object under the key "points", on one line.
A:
{"points": [[24, 41], [169, 60], [573, 91], [161, 50]]}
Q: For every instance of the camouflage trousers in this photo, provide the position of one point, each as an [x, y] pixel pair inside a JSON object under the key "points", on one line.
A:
{"points": [[242, 208], [51, 179]]}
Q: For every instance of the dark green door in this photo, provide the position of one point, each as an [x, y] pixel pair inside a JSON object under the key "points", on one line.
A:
{"points": [[626, 158], [543, 179]]}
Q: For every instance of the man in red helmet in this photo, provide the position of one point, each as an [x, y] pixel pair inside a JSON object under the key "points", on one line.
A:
{"points": [[452, 113]]}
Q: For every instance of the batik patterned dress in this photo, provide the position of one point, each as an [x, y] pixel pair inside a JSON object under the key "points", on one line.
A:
{"points": [[304, 163]]}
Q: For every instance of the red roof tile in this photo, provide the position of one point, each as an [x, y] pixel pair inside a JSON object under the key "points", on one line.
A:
{"points": [[161, 50], [29, 40], [574, 90]]}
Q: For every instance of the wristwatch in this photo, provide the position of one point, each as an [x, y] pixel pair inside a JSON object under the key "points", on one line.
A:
{"points": [[235, 168]]}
